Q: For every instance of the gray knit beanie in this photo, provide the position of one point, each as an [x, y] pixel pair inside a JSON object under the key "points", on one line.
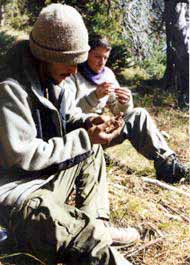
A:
{"points": [[59, 35]]}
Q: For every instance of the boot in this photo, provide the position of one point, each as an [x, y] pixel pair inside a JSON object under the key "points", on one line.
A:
{"points": [[122, 236], [171, 170]]}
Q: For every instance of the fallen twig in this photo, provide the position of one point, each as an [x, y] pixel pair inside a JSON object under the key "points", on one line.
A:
{"points": [[175, 211], [165, 186], [169, 215], [142, 247], [118, 186], [5, 256]]}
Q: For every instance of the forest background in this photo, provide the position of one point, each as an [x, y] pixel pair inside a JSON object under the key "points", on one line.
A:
{"points": [[150, 56]]}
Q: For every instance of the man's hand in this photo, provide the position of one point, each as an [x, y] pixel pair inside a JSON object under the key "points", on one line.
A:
{"points": [[123, 95], [99, 119], [104, 132], [104, 89]]}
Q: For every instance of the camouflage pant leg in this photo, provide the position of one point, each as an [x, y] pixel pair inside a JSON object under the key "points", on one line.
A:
{"points": [[62, 234], [48, 228], [89, 177]]}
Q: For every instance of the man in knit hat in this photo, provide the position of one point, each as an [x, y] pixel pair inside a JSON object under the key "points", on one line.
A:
{"points": [[46, 148], [95, 86]]}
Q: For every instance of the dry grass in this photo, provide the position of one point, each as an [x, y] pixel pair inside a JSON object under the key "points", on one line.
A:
{"points": [[162, 216]]}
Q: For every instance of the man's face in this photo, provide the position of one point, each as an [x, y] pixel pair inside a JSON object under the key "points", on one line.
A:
{"points": [[59, 71], [97, 59]]}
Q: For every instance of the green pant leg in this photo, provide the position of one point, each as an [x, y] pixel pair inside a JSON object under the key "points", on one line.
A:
{"points": [[62, 234], [141, 131], [91, 185], [55, 232], [97, 171]]}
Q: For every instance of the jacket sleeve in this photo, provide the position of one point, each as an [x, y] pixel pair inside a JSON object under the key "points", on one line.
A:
{"points": [[76, 116], [83, 94], [19, 144], [88, 102]]}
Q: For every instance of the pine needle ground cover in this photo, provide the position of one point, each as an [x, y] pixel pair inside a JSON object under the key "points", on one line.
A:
{"points": [[161, 214]]}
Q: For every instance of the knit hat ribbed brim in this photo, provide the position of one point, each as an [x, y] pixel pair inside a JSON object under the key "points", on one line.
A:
{"points": [[59, 35]]}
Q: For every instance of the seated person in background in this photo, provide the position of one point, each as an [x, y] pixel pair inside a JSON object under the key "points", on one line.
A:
{"points": [[48, 146], [95, 86]]}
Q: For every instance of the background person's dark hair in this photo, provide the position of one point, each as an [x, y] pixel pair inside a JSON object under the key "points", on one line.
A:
{"points": [[97, 40]]}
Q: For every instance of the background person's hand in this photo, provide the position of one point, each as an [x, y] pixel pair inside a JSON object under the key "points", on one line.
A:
{"points": [[104, 89], [123, 95]]}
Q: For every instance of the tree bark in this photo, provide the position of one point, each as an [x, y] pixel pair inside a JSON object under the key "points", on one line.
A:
{"points": [[2, 15], [177, 35]]}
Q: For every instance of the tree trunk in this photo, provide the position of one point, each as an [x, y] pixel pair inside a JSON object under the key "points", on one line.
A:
{"points": [[2, 16], [177, 30]]}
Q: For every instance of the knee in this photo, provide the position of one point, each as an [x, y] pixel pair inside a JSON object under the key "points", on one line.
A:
{"points": [[139, 112]]}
